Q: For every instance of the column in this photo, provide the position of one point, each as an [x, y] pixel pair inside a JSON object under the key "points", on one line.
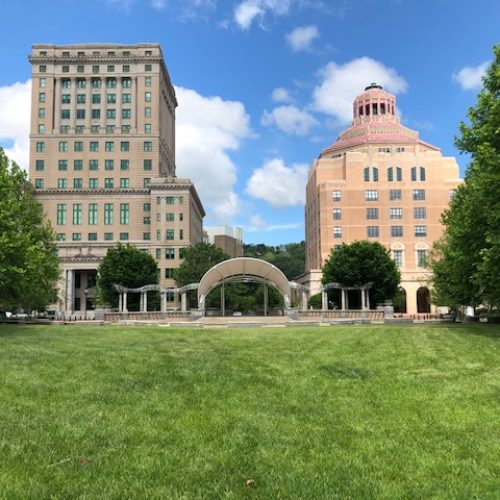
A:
{"points": [[363, 299], [163, 301], [141, 302], [120, 302], [222, 300], [70, 292], [125, 302], [183, 302], [367, 299], [342, 299], [324, 301], [145, 302], [304, 300], [266, 299]]}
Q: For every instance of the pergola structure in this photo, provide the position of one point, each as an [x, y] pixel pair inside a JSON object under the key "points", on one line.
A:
{"points": [[344, 301]]}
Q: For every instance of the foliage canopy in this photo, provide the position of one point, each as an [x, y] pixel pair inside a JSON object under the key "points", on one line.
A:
{"points": [[28, 255]]}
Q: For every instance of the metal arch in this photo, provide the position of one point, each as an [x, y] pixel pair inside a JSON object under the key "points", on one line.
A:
{"points": [[241, 269]]}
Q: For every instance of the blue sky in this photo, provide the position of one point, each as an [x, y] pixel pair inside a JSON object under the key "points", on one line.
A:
{"points": [[264, 85]]}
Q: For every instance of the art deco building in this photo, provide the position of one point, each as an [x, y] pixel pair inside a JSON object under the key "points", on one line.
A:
{"points": [[379, 181], [102, 159]]}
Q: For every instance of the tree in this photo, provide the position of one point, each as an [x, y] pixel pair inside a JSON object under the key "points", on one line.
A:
{"points": [[128, 266], [28, 255], [363, 262], [198, 259], [466, 261]]}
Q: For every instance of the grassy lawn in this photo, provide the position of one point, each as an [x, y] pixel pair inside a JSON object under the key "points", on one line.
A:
{"points": [[330, 412]]}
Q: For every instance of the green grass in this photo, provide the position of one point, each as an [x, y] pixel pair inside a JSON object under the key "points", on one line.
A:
{"points": [[330, 412]]}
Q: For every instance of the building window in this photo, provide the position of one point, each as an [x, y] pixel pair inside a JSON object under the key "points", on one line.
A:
{"points": [[81, 83], [125, 69], [38, 183], [146, 207], [124, 183], [126, 83], [397, 256], [96, 114], [42, 68], [41, 128], [147, 97], [395, 213], [80, 114], [169, 217], [146, 236], [109, 183], [93, 214], [80, 68], [146, 221], [39, 165], [336, 195], [124, 213], [80, 98], [78, 146], [147, 182], [126, 98], [77, 183], [148, 146], [77, 214], [147, 81], [125, 129], [399, 174], [96, 83], [126, 114], [109, 164], [92, 236], [42, 97], [158, 234], [65, 114], [419, 213], [372, 213], [41, 113], [96, 98], [62, 183], [400, 150], [109, 146], [396, 231], [111, 98], [336, 213], [65, 69], [169, 273], [170, 253], [422, 173], [453, 193], [108, 236], [111, 83], [124, 164], [147, 128], [371, 195], [61, 214], [181, 234], [169, 234], [148, 67], [390, 174], [110, 68], [395, 194], [66, 83], [148, 164], [372, 231], [40, 147], [366, 174], [61, 237], [79, 129], [124, 146], [420, 230], [169, 200], [62, 165], [93, 164], [123, 236], [94, 129], [419, 194], [421, 258], [147, 112], [108, 214], [77, 237], [337, 232], [95, 68], [111, 114], [94, 146]]}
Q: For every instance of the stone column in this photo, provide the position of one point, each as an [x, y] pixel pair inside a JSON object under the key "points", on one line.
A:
{"points": [[183, 302], [266, 299], [304, 301], [70, 292], [125, 302], [367, 300], [363, 299], [120, 302], [144, 301], [324, 301], [222, 300], [342, 299], [163, 301]]}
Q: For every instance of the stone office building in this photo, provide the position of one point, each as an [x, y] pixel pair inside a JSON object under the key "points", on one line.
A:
{"points": [[379, 181], [102, 160]]}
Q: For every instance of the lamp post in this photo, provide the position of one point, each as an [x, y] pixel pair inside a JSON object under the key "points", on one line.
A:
{"points": [[85, 293]]}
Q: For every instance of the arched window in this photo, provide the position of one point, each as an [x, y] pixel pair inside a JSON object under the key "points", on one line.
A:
{"points": [[422, 173], [413, 173], [366, 174], [390, 174], [375, 174], [399, 174]]}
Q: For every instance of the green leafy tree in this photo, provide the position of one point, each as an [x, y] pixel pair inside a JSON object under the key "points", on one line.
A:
{"points": [[466, 261], [29, 266], [128, 266], [363, 262]]}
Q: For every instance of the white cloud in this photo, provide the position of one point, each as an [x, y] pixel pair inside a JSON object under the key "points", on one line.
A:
{"points": [[289, 119], [470, 77], [258, 224], [158, 4], [343, 82], [249, 10], [301, 38], [15, 110], [281, 94], [206, 129], [278, 184]]}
